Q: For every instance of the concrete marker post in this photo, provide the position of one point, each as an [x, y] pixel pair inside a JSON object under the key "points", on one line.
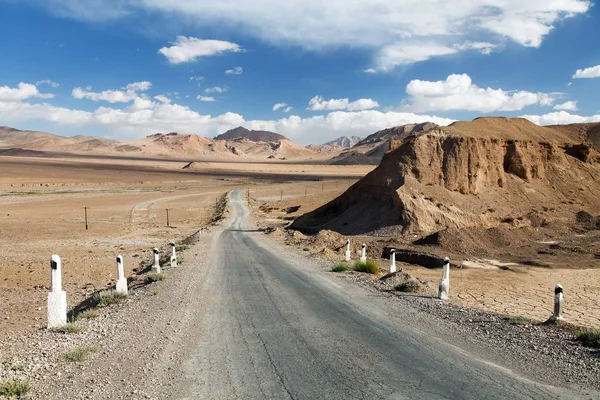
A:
{"points": [[348, 254], [393, 261], [173, 255], [57, 298], [558, 303], [444, 286], [121, 286], [363, 254], [156, 264]]}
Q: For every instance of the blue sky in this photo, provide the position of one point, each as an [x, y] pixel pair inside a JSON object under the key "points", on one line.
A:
{"points": [[124, 69]]}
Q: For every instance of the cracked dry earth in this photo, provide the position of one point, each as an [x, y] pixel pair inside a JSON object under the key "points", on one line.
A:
{"points": [[243, 318]]}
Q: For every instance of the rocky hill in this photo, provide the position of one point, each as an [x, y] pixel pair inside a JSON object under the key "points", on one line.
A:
{"points": [[485, 173], [256, 136], [371, 149]]}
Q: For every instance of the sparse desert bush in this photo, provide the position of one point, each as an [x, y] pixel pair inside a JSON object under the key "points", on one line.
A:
{"points": [[339, 267], [517, 320], [79, 354], [408, 286], [588, 336], [68, 328], [13, 387], [107, 297], [154, 292], [153, 277], [306, 249], [89, 314], [369, 266]]}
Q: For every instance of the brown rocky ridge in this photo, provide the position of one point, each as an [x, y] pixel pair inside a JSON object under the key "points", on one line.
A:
{"points": [[486, 173]]}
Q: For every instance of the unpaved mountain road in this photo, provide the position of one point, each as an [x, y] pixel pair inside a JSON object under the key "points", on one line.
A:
{"points": [[244, 319]]}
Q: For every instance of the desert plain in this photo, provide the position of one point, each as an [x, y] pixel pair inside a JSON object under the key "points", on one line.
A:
{"points": [[42, 203]]}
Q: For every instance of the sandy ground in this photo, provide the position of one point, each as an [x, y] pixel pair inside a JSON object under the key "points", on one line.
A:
{"points": [[519, 290], [42, 204]]}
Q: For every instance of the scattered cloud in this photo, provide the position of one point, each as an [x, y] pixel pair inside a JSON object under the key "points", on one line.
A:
{"points": [[318, 103], [235, 71], [127, 94], [188, 49], [458, 92], [591, 72], [163, 99], [23, 91], [288, 109], [393, 31], [370, 71], [48, 82], [208, 99], [217, 89], [144, 117], [560, 118], [405, 53], [484, 48], [279, 106], [567, 106]]}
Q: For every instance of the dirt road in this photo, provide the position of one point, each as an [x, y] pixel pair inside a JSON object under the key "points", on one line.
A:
{"points": [[243, 320]]}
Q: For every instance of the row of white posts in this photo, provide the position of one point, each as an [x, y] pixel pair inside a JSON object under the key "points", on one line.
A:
{"points": [[57, 298], [444, 286]]}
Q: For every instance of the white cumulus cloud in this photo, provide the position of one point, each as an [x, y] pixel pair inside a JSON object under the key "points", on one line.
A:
{"points": [[216, 89], [567, 106], [188, 49], [318, 103], [127, 94], [561, 118], [207, 99], [48, 82], [457, 92], [23, 91], [279, 106], [591, 72], [235, 71]]}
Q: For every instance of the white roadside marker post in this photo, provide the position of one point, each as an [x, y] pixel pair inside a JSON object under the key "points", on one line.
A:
{"points": [[445, 282], [173, 255], [363, 254], [348, 254], [393, 261], [156, 265], [57, 298], [558, 303], [121, 286]]}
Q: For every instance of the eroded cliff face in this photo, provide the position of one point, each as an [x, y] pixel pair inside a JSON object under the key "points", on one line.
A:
{"points": [[440, 180]]}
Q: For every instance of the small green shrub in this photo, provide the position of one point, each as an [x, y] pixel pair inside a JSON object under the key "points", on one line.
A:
{"points": [[369, 266], [340, 267], [89, 314], [68, 328], [408, 286], [79, 354], [154, 292], [13, 387], [107, 297], [153, 277], [588, 336], [517, 320], [306, 249]]}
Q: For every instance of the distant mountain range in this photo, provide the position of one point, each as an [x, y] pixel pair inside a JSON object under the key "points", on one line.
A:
{"points": [[335, 146], [238, 144]]}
